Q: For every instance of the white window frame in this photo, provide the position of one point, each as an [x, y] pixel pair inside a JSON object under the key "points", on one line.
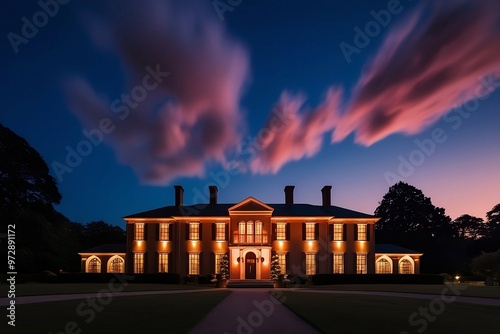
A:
{"points": [[338, 263], [164, 232], [139, 231], [163, 262], [338, 232]]}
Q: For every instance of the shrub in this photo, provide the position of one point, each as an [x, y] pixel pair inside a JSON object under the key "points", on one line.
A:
{"points": [[324, 279]]}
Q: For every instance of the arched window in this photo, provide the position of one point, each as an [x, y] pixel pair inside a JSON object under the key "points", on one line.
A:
{"points": [[383, 266], [405, 266], [93, 265], [116, 265]]}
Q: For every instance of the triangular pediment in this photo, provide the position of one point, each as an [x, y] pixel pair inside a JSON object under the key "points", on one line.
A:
{"points": [[250, 205]]}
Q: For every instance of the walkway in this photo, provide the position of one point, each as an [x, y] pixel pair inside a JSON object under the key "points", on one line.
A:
{"points": [[255, 311]]}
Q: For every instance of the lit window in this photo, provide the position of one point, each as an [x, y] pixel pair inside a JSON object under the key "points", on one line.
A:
{"points": [[94, 265], [218, 257], [362, 232], [310, 264], [163, 262], [282, 261], [258, 232], [361, 263], [338, 263], [138, 263], [250, 237], [220, 231], [164, 231], [405, 267], [139, 231], [383, 267], [116, 265], [194, 231], [310, 229], [338, 232], [194, 264], [281, 231]]}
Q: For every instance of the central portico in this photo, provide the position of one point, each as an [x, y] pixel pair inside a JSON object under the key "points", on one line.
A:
{"points": [[250, 242]]}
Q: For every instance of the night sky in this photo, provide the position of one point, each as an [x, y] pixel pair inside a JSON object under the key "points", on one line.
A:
{"points": [[124, 99]]}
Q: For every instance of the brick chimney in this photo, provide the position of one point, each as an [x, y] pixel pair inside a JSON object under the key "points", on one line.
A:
{"points": [[213, 194], [179, 195], [289, 194], [327, 195]]}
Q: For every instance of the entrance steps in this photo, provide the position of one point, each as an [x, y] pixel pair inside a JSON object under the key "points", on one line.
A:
{"points": [[250, 283]]}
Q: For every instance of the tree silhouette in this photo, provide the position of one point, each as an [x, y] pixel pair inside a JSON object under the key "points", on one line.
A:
{"points": [[493, 217], [98, 233], [469, 227]]}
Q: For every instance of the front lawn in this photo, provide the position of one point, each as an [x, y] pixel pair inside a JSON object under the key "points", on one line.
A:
{"points": [[332, 313]]}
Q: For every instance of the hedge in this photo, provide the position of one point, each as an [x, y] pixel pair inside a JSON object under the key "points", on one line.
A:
{"points": [[163, 278], [324, 279]]}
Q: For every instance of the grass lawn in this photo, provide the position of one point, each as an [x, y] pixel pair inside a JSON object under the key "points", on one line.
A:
{"points": [[35, 289], [176, 313], [471, 290], [332, 313]]}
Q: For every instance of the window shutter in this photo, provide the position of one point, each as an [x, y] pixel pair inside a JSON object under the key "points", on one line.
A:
{"points": [[344, 232], [330, 261], [227, 231], [157, 263], [330, 231], [171, 232], [316, 231], [187, 231], [201, 263], [368, 227], [287, 229], [157, 225], [212, 263], [287, 264], [214, 231], [145, 263], [355, 232], [303, 262], [200, 231], [170, 264], [303, 231], [146, 225], [275, 231], [316, 263]]}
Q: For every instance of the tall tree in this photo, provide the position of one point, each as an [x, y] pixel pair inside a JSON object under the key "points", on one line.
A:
{"points": [[44, 239], [98, 233], [406, 210], [469, 227], [493, 221]]}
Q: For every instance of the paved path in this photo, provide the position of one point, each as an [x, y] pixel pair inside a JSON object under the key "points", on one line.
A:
{"points": [[255, 311]]}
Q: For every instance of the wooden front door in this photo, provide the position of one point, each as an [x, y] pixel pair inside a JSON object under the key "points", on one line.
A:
{"points": [[250, 266]]}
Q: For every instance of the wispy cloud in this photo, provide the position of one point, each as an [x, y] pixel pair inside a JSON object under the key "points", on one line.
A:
{"points": [[193, 116]]}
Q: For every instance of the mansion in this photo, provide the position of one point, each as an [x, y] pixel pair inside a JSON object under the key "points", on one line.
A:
{"points": [[308, 239]]}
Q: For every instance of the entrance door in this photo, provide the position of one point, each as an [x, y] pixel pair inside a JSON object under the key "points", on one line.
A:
{"points": [[250, 266]]}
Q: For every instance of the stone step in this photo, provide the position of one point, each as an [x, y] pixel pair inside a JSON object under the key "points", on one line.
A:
{"points": [[250, 283]]}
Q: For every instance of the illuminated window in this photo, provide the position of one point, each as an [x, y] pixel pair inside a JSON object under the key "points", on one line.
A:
{"points": [[362, 232], [258, 232], [164, 231], [250, 237], [94, 265], [194, 231], [338, 263], [310, 264], [116, 265], [218, 257], [383, 266], [361, 263], [194, 264], [281, 231], [282, 261], [310, 229], [139, 231], [220, 231], [163, 262], [338, 232], [405, 267], [138, 263]]}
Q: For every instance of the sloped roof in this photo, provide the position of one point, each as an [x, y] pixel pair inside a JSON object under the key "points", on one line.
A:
{"points": [[393, 249], [107, 248], [210, 210]]}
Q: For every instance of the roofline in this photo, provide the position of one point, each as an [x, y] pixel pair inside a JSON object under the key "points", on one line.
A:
{"points": [[386, 253], [101, 253]]}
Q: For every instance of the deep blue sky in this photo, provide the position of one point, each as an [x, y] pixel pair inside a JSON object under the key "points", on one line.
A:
{"points": [[293, 46]]}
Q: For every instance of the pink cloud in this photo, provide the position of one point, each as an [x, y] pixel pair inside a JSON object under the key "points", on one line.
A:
{"points": [[192, 115], [300, 134], [423, 70]]}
